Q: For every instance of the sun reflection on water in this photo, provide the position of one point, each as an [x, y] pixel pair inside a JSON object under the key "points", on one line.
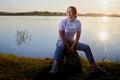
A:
{"points": [[105, 19], [103, 35]]}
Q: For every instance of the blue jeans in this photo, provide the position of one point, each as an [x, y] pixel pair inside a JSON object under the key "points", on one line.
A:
{"points": [[80, 46]]}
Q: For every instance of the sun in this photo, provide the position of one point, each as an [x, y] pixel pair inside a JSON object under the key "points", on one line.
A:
{"points": [[103, 35], [104, 2]]}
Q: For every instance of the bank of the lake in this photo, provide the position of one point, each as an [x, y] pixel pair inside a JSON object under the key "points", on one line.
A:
{"points": [[21, 68]]}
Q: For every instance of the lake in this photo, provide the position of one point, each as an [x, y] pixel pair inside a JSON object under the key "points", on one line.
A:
{"points": [[36, 36]]}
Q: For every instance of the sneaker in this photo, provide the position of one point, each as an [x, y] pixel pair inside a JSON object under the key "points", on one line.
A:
{"points": [[54, 69], [98, 70]]}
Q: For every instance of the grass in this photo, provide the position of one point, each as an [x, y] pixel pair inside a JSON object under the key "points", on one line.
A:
{"points": [[14, 67], [21, 68]]}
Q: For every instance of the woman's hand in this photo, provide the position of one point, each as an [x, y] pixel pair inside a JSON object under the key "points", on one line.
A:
{"points": [[75, 42], [70, 51]]}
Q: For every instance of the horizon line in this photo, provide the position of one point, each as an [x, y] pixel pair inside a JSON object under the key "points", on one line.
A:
{"points": [[59, 12]]}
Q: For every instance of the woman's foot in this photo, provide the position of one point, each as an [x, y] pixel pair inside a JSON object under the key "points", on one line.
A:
{"points": [[98, 70], [54, 69]]}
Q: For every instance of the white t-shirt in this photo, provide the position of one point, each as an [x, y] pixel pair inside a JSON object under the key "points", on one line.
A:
{"points": [[70, 28]]}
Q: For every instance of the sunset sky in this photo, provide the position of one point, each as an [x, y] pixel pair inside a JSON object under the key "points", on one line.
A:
{"points": [[83, 6]]}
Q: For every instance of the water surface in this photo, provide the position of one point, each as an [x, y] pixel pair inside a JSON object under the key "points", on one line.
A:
{"points": [[36, 36]]}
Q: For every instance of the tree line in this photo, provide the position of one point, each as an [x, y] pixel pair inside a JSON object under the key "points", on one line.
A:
{"points": [[47, 13]]}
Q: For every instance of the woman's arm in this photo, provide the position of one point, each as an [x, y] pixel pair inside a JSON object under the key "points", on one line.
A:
{"points": [[73, 47], [61, 34]]}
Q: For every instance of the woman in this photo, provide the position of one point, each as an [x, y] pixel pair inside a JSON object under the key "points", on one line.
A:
{"points": [[67, 30]]}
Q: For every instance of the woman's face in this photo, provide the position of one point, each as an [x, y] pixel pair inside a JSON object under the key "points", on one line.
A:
{"points": [[70, 13]]}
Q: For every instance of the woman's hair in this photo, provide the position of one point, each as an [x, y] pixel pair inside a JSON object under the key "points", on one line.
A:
{"points": [[74, 10]]}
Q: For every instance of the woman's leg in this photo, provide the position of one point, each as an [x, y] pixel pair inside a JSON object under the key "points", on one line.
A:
{"points": [[59, 50], [57, 56], [87, 50], [89, 55]]}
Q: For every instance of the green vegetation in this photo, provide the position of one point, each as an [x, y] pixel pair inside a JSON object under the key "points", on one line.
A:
{"points": [[20, 68], [13, 67]]}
